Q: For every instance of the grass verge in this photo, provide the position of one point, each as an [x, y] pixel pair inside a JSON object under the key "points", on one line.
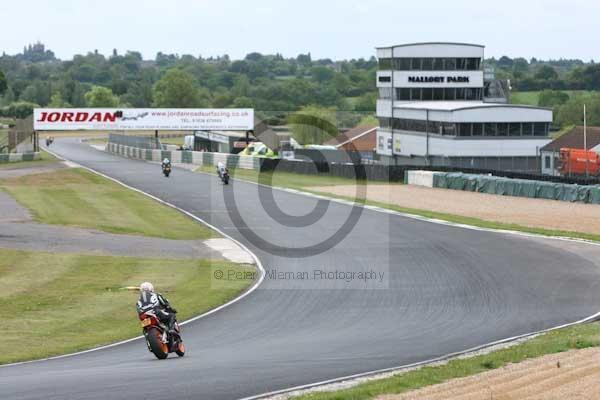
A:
{"points": [[576, 337], [77, 197], [287, 179], [45, 159], [61, 303], [304, 183]]}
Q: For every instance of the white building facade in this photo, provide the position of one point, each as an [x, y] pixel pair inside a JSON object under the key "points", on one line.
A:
{"points": [[433, 110]]}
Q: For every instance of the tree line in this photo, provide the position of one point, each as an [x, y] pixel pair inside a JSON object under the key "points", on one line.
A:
{"points": [[264, 82], [272, 84]]}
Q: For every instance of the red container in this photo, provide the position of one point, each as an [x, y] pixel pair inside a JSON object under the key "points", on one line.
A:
{"points": [[577, 161]]}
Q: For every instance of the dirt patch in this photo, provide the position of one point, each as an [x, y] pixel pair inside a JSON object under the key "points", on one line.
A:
{"points": [[9, 173], [43, 177], [571, 375], [534, 213]]}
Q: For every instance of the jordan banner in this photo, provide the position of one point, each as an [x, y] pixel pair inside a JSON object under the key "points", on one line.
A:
{"points": [[103, 119]]}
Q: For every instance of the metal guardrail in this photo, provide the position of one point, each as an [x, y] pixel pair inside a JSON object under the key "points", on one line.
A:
{"points": [[141, 142]]}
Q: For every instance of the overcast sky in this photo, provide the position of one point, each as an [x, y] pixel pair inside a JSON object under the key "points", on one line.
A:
{"points": [[334, 29]]}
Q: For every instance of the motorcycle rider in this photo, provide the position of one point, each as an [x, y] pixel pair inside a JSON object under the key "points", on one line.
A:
{"points": [[166, 162], [221, 169], [150, 300]]}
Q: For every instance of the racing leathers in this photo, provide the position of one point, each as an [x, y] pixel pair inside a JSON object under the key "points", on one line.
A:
{"points": [[160, 305]]}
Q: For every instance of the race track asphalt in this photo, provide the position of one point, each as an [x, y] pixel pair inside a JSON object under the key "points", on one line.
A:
{"points": [[444, 289]]}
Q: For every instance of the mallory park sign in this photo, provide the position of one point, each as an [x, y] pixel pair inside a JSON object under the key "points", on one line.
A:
{"points": [[438, 79]]}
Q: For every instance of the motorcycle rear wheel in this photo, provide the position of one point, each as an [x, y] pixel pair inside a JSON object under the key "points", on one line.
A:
{"points": [[159, 349]]}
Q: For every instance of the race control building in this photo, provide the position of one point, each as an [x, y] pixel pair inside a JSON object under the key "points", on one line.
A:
{"points": [[437, 107]]}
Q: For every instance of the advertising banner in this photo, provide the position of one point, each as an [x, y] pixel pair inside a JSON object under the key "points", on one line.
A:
{"points": [[111, 119]]}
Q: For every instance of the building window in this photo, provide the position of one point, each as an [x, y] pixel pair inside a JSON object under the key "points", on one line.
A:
{"points": [[427, 64], [438, 64], [448, 129], [403, 94], [478, 129], [547, 162], [385, 63], [472, 64], [450, 94], [427, 94], [449, 64], [438, 94], [514, 129], [502, 129], [489, 129], [416, 64], [385, 122], [464, 129], [385, 93], [415, 94], [472, 94], [540, 129]]}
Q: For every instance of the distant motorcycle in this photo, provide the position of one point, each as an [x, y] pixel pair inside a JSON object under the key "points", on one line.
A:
{"points": [[225, 176], [167, 170], [158, 339]]}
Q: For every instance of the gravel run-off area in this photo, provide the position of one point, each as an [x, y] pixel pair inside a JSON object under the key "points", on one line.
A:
{"points": [[535, 213], [571, 375]]}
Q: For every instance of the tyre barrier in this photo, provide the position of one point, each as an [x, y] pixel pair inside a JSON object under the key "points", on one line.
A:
{"points": [[505, 186]]}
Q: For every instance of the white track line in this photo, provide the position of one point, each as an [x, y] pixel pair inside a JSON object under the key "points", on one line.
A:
{"points": [[214, 310]]}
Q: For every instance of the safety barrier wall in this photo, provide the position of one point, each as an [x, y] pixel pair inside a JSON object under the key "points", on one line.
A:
{"points": [[188, 157], [505, 186], [18, 157]]}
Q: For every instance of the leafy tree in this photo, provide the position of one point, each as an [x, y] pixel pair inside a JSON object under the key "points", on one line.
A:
{"points": [[546, 72], [571, 113], [3, 83], [366, 102], [56, 101], [243, 102], [322, 74], [19, 109], [100, 96], [313, 125], [179, 89], [552, 98]]}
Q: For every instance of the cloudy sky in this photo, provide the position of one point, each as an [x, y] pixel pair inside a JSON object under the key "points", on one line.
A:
{"points": [[334, 29]]}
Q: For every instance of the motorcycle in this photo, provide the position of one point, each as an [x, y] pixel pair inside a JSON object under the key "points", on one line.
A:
{"points": [[167, 170], [225, 177], [159, 340]]}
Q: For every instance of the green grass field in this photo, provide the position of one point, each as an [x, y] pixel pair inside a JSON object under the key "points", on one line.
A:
{"points": [[76, 197], [577, 337], [532, 98], [287, 179], [60, 303]]}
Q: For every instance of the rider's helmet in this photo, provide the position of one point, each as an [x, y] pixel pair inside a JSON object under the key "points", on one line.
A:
{"points": [[166, 161], [146, 287]]}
